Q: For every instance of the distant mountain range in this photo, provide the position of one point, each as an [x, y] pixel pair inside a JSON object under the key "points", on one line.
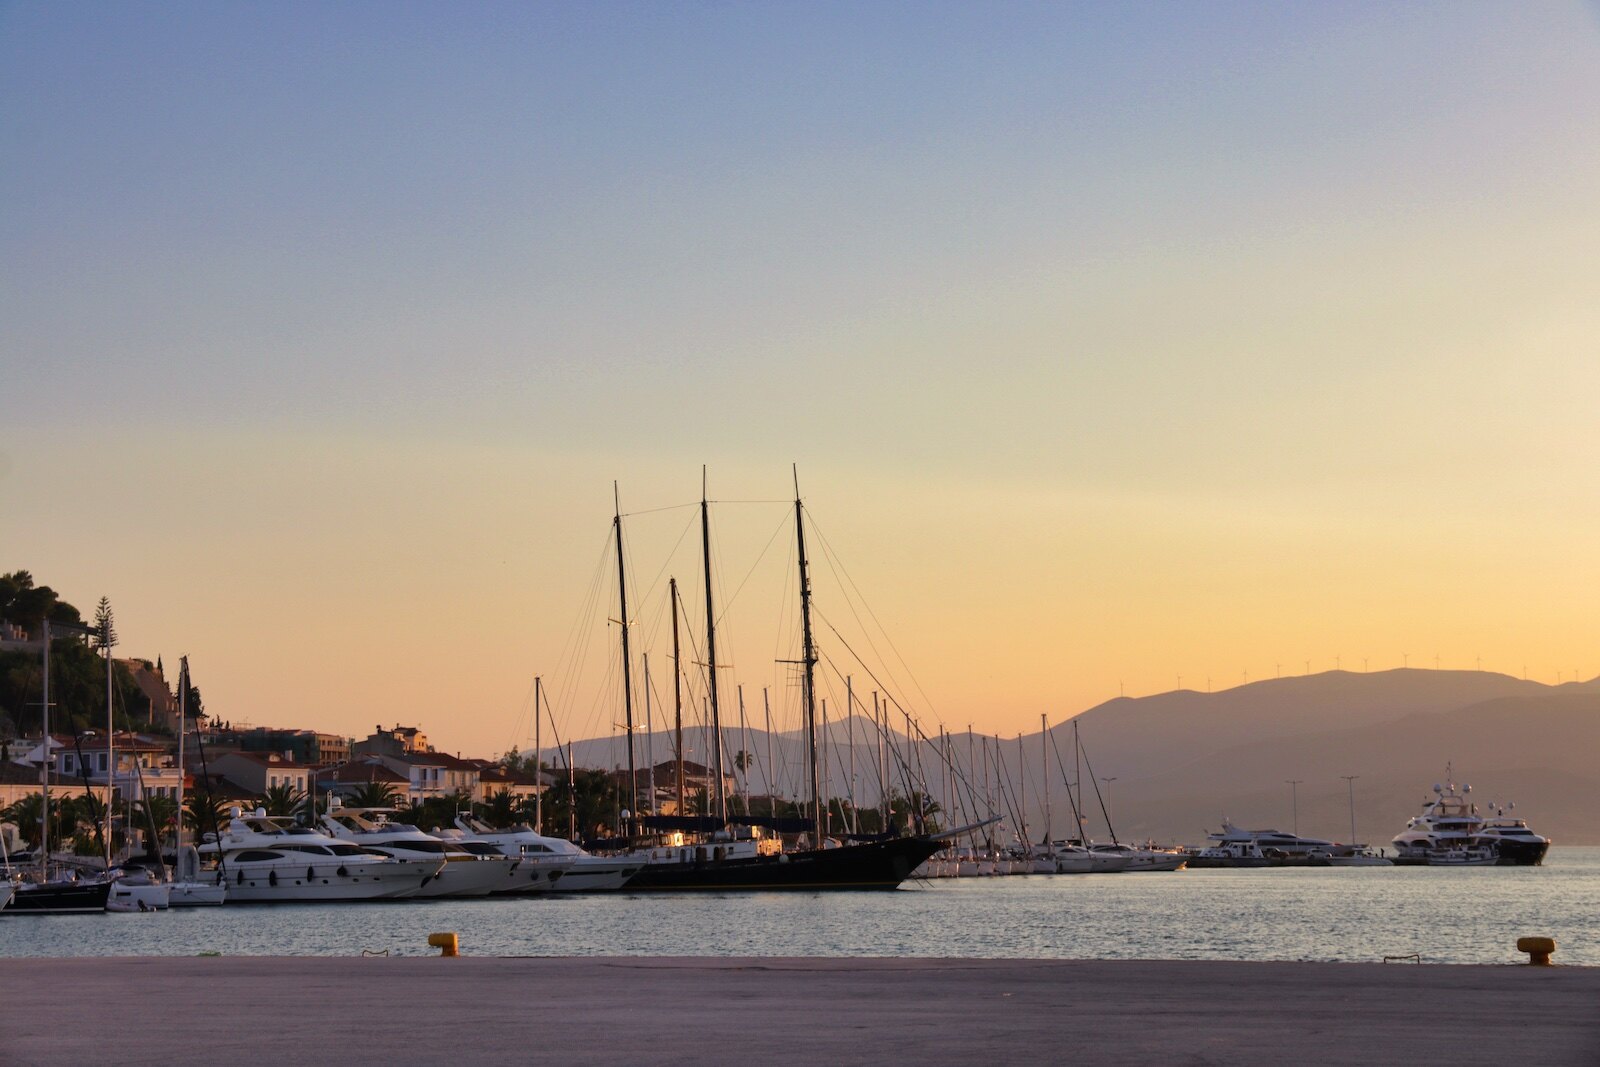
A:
{"points": [[1182, 761]]}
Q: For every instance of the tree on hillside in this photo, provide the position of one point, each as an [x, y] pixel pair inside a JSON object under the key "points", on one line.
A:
{"points": [[105, 630], [27, 604]]}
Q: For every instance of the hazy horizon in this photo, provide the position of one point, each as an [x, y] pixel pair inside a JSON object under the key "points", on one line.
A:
{"points": [[1120, 349]]}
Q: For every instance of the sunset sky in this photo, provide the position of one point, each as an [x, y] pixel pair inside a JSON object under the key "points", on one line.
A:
{"points": [[1119, 346]]}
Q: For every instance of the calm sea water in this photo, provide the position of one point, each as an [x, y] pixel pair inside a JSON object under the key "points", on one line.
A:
{"points": [[1459, 915]]}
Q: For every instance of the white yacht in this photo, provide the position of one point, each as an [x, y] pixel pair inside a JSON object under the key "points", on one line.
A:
{"points": [[1143, 859], [1234, 854], [1274, 844], [584, 872], [267, 859], [1446, 833], [461, 873], [133, 889], [192, 889]]}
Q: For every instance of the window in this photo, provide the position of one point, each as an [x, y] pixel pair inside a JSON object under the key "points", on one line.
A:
{"points": [[102, 761]]}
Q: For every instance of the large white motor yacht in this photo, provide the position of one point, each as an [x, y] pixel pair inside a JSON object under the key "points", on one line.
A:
{"points": [[1451, 832], [464, 874], [1274, 844], [567, 868], [268, 859], [1445, 833]]}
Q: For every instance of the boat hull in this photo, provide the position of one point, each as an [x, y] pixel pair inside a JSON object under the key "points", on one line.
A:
{"points": [[874, 865], [60, 898], [1515, 853]]}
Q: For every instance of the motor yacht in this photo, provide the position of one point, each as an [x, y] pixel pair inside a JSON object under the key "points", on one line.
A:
{"points": [[462, 873], [7, 891], [566, 867], [1291, 849], [1515, 845], [1451, 831], [1358, 856], [270, 859], [1237, 854], [1143, 859]]}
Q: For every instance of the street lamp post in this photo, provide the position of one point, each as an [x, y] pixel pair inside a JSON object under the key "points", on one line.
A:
{"points": [[1350, 780], [1294, 801]]}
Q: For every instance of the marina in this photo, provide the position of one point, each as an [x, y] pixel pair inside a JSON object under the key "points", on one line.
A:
{"points": [[1442, 915]]}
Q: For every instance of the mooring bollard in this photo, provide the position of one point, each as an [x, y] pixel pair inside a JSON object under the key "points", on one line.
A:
{"points": [[447, 944], [1538, 949]]}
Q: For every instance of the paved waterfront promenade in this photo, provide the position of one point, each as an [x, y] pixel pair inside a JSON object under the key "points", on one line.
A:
{"points": [[769, 1011]]}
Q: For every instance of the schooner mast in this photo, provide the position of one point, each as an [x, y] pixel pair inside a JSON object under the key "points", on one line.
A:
{"points": [[677, 692], [809, 659], [627, 666], [711, 654]]}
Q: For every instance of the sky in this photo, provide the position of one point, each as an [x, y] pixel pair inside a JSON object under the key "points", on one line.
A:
{"points": [[1119, 348]]}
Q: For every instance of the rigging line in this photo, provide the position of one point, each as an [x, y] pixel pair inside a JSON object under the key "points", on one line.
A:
{"points": [[906, 775], [888, 696], [516, 726], [665, 566], [655, 511], [783, 524], [1112, 830], [881, 628], [1077, 815]]}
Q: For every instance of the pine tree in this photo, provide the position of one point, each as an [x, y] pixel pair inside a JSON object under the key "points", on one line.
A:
{"points": [[105, 628]]}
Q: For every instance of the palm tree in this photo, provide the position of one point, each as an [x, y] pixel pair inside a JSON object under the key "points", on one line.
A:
{"points": [[500, 809], [205, 813], [159, 810], [374, 795], [282, 799]]}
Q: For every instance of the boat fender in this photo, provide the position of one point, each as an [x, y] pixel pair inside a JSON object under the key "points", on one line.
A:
{"points": [[272, 877], [311, 872], [783, 857], [342, 872], [241, 878]]}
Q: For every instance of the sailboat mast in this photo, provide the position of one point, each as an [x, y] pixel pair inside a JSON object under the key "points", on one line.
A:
{"points": [[538, 785], [850, 734], [572, 795], [649, 742], [111, 742], [44, 767], [772, 796], [711, 654], [627, 664], [809, 658], [1044, 772], [677, 691], [183, 701]]}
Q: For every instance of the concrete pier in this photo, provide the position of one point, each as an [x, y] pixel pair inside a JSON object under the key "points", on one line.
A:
{"points": [[602, 1010]]}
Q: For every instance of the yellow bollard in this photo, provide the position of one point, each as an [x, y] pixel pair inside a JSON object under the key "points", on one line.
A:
{"points": [[447, 944], [1538, 949]]}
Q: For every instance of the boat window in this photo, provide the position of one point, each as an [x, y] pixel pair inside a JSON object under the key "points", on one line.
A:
{"points": [[315, 850], [435, 847], [257, 854]]}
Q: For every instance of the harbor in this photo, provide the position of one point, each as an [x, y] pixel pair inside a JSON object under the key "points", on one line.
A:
{"points": [[778, 1010], [1435, 915]]}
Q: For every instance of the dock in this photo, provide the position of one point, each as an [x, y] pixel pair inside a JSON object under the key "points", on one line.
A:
{"points": [[169, 1011]]}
